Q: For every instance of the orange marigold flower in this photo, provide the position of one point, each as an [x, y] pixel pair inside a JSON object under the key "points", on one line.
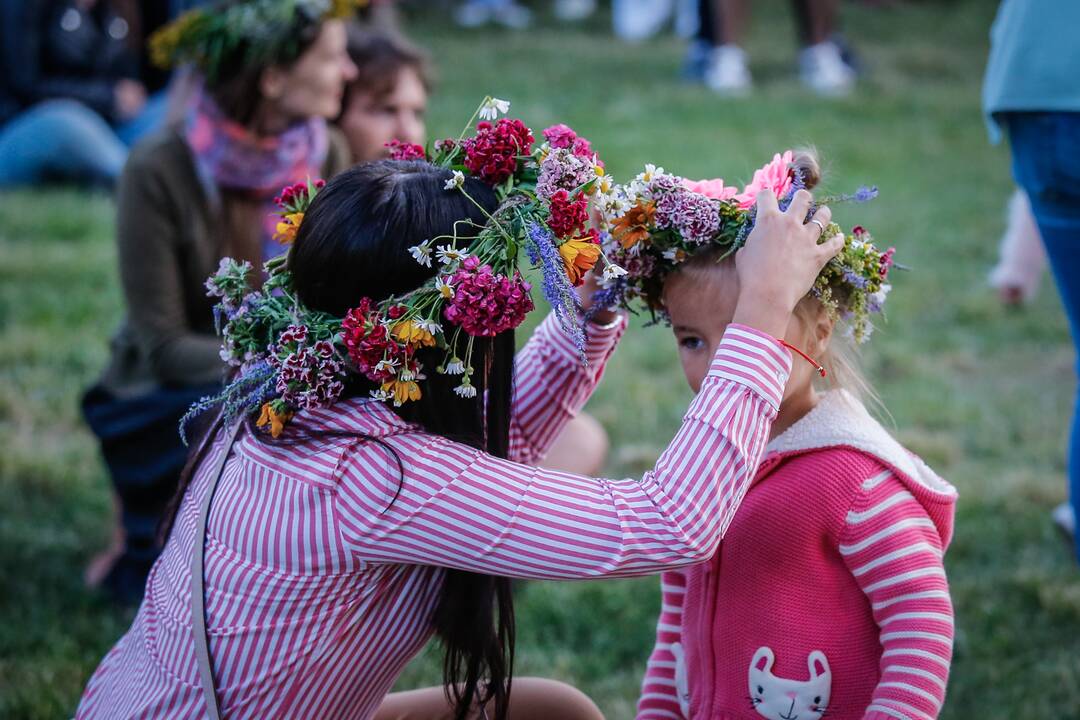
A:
{"points": [[579, 256], [633, 227], [412, 333], [287, 228], [275, 419], [402, 391]]}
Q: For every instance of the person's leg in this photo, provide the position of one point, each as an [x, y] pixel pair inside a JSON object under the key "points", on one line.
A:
{"points": [[728, 71], [581, 448], [59, 138], [530, 699], [821, 63], [1045, 146]]}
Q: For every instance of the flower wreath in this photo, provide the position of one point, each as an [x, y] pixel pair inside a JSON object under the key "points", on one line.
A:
{"points": [[268, 28], [292, 358], [659, 220]]}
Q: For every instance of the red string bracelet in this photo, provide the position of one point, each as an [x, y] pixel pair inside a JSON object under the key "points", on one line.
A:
{"points": [[817, 366]]}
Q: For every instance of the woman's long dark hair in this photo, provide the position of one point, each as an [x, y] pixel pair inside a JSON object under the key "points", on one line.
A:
{"points": [[352, 244]]}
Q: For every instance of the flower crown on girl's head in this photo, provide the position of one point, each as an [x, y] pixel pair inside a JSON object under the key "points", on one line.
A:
{"points": [[267, 29], [658, 221], [292, 358]]}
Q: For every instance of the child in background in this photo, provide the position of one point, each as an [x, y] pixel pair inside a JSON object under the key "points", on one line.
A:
{"points": [[827, 597]]}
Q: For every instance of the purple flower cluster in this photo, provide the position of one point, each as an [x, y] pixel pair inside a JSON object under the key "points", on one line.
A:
{"points": [[562, 170], [855, 279], [486, 304], [307, 376], [565, 303], [229, 282], [694, 216]]}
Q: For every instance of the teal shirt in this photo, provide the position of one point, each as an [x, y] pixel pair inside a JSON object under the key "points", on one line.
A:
{"points": [[1034, 59]]}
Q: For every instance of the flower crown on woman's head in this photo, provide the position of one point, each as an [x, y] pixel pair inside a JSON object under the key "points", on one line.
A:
{"points": [[659, 221], [292, 358], [268, 29]]}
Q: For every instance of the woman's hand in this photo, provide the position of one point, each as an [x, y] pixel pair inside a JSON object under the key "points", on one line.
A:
{"points": [[780, 261], [585, 292]]}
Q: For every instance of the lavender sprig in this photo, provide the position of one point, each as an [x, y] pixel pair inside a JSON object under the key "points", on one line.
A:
{"points": [[565, 303]]}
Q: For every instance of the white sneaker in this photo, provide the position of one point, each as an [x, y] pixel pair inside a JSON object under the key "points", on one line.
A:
{"points": [[513, 16], [824, 71], [574, 10], [1065, 518], [637, 20], [727, 72], [472, 14]]}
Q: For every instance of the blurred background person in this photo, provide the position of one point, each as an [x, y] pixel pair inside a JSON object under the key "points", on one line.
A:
{"points": [[188, 196], [1021, 257], [716, 56], [72, 99], [1031, 90], [516, 16], [387, 100]]}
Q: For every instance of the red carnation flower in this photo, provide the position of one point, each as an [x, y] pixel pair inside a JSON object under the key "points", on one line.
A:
{"points": [[405, 151], [492, 155], [486, 304], [568, 216]]}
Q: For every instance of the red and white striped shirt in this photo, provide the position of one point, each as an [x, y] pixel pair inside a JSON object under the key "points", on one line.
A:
{"points": [[324, 561]]}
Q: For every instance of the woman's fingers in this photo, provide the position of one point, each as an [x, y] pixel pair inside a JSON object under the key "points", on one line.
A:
{"points": [[823, 216], [829, 249], [766, 202], [800, 204]]}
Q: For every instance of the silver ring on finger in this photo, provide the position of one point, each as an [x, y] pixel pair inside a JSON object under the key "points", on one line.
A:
{"points": [[819, 224]]}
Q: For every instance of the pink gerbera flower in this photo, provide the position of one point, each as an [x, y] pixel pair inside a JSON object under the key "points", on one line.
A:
{"points": [[775, 175], [714, 188]]}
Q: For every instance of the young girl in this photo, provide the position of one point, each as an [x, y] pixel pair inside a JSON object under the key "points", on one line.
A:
{"points": [[827, 596]]}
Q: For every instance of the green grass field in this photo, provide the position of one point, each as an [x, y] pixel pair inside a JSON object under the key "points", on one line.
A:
{"points": [[982, 393]]}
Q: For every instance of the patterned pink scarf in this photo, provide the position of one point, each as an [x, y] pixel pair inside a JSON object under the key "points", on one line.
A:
{"points": [[231, 157]]}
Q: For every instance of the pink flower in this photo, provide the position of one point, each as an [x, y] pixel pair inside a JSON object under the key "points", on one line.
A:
{"points": [[714, 188], [886, 262], [560, 136], [405, 151], [775, 175], [486, 304]]}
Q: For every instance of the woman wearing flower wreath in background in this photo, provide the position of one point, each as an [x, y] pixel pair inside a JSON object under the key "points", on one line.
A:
{"points": [[369, 480], [187, 197], [387, 102]]}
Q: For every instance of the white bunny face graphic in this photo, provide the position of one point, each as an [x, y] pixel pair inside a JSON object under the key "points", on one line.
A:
{"points": [[782, 699]]}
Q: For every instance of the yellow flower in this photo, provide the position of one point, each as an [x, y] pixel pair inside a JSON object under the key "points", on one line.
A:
{"points": [[287, 228], [276, 420], [410, 333], [402, 390], [599, 170], [579, 256]]}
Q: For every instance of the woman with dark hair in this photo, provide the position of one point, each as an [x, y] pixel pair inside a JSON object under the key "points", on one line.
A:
{"points": [[387, 102], [272, 73], [306, 566]]}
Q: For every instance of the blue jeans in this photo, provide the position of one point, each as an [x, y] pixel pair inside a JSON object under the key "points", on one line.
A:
{"points": [[64, 139], [1046, 163]]}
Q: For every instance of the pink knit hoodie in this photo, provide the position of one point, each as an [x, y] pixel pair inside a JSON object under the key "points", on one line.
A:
{"points": [[827, 597]]}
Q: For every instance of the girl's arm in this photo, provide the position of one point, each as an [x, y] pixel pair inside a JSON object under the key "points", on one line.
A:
{"points": [[551, 384], [664, 680], [457, 507], [894, 552]]}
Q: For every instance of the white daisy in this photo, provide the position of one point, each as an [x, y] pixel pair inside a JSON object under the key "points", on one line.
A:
{"points": [[432, 327], [455, 366], [493, 107], [466, 389], [381, 395], [442, 284], [421, 253], [406, 375], [448, 254], [612, 271], [386, 366], [457, 180]]}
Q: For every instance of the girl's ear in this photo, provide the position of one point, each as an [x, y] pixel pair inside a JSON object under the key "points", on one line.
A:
{"points": [[822, 330], [272, 83]]}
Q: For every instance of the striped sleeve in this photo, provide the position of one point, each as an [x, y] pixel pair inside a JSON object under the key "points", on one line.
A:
{"points": [[457, 507], [551, 383], [893, 550], [661, 687]]}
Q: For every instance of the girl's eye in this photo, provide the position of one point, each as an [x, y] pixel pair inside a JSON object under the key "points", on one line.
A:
{"points": [[692, 343]]}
